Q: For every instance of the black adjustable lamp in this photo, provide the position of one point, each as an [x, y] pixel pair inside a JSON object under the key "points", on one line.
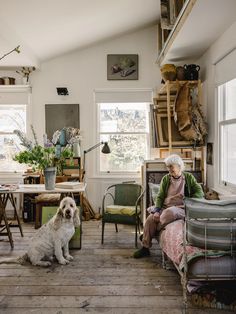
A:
{"points": [[105, 150]]}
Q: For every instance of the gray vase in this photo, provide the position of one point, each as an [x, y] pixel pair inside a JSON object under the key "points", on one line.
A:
{"points": [[76, 149], [50, 178]]}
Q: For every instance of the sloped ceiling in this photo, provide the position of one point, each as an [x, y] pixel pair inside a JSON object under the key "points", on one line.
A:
{"points": [[45, 29]]}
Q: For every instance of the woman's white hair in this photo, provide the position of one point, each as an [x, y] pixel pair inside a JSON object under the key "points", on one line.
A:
{"points": [[174, 160]]}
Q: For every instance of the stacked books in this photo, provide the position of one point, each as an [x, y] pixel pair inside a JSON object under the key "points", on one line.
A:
{"points": [[72, 185]]}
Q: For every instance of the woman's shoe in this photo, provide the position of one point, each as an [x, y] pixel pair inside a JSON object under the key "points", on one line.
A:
{"points": [[143, 252]]}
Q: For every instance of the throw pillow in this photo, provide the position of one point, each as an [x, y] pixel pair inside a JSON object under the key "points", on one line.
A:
{"points": [[153, 192]]}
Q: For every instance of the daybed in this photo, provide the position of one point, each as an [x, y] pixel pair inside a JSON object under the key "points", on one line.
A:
{"points": [[204, 246]]}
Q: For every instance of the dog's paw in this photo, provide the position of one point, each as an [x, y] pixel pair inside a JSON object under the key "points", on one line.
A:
{"points": [[51, 258], [69, 257], [42, 263], [63, 261]]}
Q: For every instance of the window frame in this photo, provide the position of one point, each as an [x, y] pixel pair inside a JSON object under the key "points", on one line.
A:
{"points": [[223, 121], [124, 173], [9, 95]]}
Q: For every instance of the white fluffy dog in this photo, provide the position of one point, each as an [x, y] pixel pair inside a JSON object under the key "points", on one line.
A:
{"points": [[53, 237]]}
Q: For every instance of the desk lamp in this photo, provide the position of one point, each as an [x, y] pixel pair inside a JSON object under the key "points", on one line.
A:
{"points": [[105, 150]]}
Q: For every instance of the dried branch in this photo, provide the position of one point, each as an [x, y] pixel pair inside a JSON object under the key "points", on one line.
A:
{"points": [[17, 49]]}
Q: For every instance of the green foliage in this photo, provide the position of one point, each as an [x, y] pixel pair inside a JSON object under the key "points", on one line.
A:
{"points": [[40, 157]]}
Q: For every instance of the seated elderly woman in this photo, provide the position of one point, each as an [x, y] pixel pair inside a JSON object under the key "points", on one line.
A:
{"points": [[169, 204]]}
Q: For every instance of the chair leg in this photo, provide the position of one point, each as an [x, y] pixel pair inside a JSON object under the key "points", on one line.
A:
{"points": [[136, 236], [103, 227], [116, 227], [139, 222]]}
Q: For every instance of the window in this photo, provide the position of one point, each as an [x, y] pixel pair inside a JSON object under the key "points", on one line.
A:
{"points": [[125, 126], [227, 132], [11, 117]]}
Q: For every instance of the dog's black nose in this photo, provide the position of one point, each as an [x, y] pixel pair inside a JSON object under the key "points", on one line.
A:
{"points": [[67, 211]]}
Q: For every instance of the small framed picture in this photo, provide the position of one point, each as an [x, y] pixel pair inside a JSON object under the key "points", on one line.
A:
{"points": [[122, 67], [209, 157]]}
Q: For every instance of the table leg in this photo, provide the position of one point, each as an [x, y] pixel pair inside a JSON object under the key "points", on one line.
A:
{"points": [[3, 202], [11, 198]]}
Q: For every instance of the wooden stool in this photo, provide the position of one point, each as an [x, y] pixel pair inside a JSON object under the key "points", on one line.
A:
{"points": [[3, 217], [44, 200]]}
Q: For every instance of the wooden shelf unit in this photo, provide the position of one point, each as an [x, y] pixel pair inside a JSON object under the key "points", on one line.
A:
{"points": [[164, 102], [192, 34], [173, 15]]}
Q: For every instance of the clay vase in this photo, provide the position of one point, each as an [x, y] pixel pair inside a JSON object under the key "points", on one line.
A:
{"points": [[180, 73], [168, 72]]}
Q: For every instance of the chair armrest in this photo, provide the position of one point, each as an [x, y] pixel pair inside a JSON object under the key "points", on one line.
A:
{"points": [[107, 193], [139, 201]]}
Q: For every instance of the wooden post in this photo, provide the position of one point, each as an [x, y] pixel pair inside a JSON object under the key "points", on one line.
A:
{"points": [[169, 115]]}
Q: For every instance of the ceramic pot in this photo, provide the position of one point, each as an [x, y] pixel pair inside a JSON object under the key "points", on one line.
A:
{"points": [[12, 80], [191, 72], [168, 72], [50, 178], [180, 73]]}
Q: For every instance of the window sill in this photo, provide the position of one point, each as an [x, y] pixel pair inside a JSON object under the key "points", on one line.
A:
{"points": [[225, 192], [116, 176]]}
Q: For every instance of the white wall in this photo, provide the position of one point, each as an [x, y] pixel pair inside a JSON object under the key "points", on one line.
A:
{"points": [[82, 72], [222, 46]]}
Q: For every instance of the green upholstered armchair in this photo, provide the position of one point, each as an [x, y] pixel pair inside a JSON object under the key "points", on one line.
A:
{"points": [[122, 205]]}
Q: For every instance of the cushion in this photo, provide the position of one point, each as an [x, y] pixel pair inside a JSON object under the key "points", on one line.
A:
{"points": [[153, 191], [121, 210], [48, 198], [211, 224]]}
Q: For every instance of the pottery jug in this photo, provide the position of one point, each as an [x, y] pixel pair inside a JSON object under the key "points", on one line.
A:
{"points": [[191, 72]]}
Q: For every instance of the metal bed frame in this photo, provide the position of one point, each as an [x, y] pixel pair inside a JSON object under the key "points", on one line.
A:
{"points": [[184, 274]]}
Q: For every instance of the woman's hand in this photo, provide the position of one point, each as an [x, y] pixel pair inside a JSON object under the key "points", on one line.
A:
{"points": [[156, 217]]}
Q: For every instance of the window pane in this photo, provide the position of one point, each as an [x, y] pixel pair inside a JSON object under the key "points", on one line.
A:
{"points": [[127, 152], [9, 146], [230, 109], [228, 145], [12, 117], [123, 117]]}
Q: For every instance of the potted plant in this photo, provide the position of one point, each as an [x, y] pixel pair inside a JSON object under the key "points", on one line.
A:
{"points": [[43, 158]]}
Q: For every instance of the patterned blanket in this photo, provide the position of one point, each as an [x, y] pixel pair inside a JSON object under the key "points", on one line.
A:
{"points": [[171, 242]]}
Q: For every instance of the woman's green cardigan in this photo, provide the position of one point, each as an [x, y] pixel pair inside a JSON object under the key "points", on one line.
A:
{"points": [[191, 189]]}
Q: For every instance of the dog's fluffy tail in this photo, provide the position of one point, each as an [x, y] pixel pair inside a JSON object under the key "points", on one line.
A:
{"points": [[15, 260]]}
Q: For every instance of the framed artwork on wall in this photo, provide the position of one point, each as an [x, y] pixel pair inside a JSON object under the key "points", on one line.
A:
{"points": [[58, 116], [122, 67], [209, 157]]}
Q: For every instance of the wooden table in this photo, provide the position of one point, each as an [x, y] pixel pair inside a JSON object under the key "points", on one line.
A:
{"points": [[7, 195]]}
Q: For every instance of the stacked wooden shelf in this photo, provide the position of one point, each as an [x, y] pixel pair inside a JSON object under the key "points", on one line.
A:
{"points": [[163, 106]]}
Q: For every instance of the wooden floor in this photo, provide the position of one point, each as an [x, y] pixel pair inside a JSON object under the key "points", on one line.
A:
{"points": [[101, 279]]}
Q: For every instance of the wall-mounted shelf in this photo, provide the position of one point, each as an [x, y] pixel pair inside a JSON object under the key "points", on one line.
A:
{"points": [[198, 25]]}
